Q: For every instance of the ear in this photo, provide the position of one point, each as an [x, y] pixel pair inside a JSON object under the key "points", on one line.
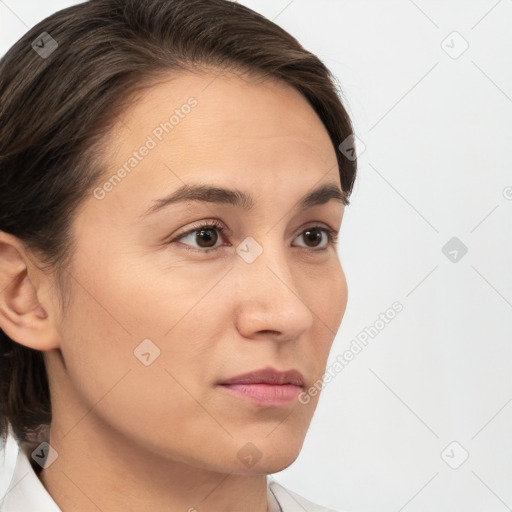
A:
{"points": [[26, 312]]}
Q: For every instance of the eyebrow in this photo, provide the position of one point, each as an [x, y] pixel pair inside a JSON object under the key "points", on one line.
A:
{"points": [[241, 199]]}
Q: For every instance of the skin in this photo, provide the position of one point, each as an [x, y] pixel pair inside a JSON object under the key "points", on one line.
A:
{"points": [[164, 437]]}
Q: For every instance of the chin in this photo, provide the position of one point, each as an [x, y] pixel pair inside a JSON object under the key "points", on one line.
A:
{"points": [[273, 460], [281, 464]]}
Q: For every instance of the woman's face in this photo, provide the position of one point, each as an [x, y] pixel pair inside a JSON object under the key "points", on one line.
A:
{"points": [[155, 324]]}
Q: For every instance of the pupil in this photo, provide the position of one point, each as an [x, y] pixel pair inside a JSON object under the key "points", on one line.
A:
{"points": [[207, 238], [317, 236]]}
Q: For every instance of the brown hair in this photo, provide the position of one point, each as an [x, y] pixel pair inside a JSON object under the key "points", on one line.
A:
{"points": [[58, 100]]}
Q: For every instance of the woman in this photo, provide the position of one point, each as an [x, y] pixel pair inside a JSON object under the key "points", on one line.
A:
{"points": [[170, 284]]}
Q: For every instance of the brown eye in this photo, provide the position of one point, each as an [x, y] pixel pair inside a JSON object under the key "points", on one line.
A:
{"points": [[206, 238], [201, 238], [313, 237]]}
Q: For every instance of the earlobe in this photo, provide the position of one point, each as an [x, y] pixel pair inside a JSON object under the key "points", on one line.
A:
{"points": [[22, 316]]}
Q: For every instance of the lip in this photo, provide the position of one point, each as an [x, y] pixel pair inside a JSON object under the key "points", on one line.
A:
{"points": [[268, 376], [266, 387]]}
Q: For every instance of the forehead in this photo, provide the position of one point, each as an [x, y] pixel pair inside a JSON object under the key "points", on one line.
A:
{"points": [[255, 135], [229, 111]]}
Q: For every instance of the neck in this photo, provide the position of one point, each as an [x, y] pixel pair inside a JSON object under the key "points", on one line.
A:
{"points": [[97, 469]]}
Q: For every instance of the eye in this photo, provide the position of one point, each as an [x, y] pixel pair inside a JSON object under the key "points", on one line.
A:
{"points": [[314, 234], [205, 236], [202, 234]]}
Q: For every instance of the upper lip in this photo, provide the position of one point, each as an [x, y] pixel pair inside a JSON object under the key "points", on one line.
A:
{"points": [[268, 376]]}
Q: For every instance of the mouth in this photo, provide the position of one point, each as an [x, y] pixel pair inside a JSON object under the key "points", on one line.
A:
{"points": [[266, 387]]}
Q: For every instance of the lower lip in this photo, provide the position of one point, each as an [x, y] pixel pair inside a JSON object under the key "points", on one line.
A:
{"points": [[269, 395]]}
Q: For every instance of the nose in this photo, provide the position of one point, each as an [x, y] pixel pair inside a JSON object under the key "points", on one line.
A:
{"points": [[272, 297]]}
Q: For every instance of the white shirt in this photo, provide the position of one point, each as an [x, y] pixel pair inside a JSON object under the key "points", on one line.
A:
{"points": [[22, 491]]}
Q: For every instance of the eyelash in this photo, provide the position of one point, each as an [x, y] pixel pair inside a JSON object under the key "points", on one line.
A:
{"points": [[332, 236]]}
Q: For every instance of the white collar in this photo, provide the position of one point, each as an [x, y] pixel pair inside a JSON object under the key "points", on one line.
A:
{"points": [[20, 487]]}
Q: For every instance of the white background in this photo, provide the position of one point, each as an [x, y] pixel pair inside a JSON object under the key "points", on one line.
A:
{"points": [[436, 128]]}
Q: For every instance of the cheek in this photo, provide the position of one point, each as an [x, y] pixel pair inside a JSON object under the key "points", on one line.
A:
{"points": [[147, 395], [340, 296], [330, 302], [327, 296], [131, 345]]}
